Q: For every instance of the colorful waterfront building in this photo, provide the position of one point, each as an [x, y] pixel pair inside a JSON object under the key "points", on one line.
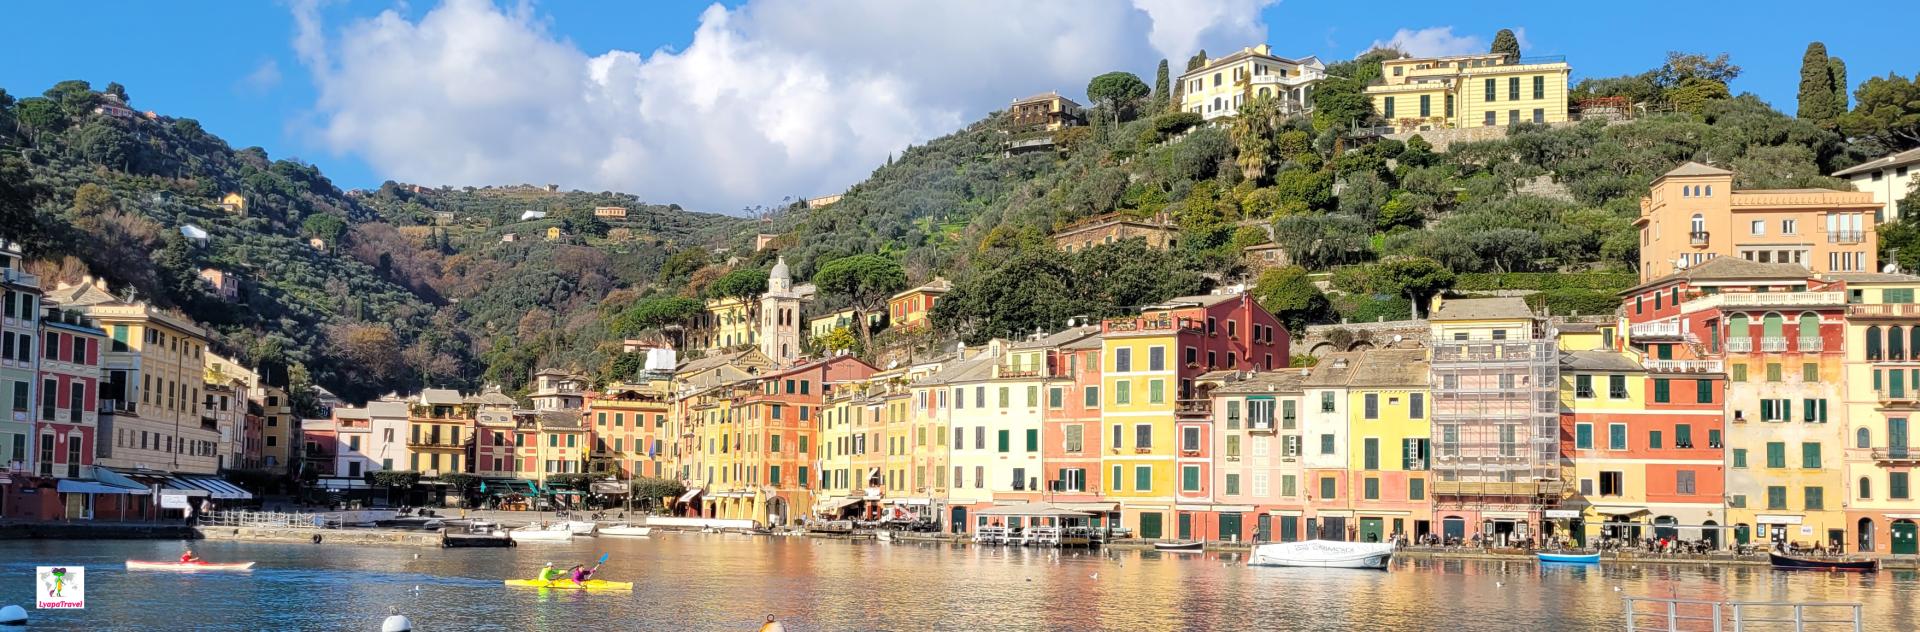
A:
{"points": [[353, 428], [972, 453], [1257, 425], [65, 424], [387, 419], [1644, 440], [1692, 214], [1389, 446], [497, 442], [1495, 417], [629, 426], [1149, 365], [767, 441], [439, 421], [1882, 382], [560, 443], [1325, 433], [1778, 331], [19, 369], [1072, 440]]}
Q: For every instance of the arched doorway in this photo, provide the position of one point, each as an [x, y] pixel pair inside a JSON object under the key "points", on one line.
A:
{"points": [[1866, 536], [776, 511], [1904, 538], [1663, 527], [1711, 533]]}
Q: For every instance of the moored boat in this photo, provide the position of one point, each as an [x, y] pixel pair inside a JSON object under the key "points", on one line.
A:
{"points": [[581, 527], [1192, 546], [1323, 554], [534, 533], [1792, 563], [626, 531], [138, 565], [1569, 558], [567, 584]]}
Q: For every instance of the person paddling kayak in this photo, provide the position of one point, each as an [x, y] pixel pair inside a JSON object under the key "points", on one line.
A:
{"points": [[549, 573], [189, 558], [581, 573]]}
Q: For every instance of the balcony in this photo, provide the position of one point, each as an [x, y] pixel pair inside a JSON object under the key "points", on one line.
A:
{"points": [[1846, 236], [434, 443], [1697, 238], [1898, 396], [1773, 344], [1739, 345], [1885, 310], [1193, 407], [1669, 328], [1764, 299], [1685, 366], [17, 276], [1896, 455], [1811, 343]]}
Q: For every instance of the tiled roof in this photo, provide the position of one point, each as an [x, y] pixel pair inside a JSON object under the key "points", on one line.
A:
{"points": [[1907, 157], [560, 419], [1483, 308], [1058, 338], [1391, 367], [440, 396], [1597, 360], [1730, 269], [1696, 169], [1203, 300], [1283, 380], [1872, 277], [1333, 370]]}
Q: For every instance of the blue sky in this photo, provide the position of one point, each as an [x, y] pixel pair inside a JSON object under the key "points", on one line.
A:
{"points": [[774, 97]]}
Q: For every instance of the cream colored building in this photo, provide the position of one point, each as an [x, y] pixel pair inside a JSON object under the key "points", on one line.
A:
{"points": [[1466, 91], [1889, 179], [1221, 86], [1692, 214]]}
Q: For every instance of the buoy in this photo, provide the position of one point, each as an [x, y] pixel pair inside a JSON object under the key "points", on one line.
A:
{"points": [[13, 615], [397, 623], [316, 538]]}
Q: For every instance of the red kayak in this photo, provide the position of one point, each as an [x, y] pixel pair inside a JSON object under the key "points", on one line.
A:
{"points": [[137, 565]]}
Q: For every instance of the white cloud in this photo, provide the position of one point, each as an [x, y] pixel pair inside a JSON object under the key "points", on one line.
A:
{"points": [[1437, 41], [773, 98], [264, 78]]}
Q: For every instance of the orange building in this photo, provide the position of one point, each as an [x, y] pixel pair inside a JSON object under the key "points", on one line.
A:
{"points": [[629, 426], [1072, 446], [1693, 214], [909, 309]]}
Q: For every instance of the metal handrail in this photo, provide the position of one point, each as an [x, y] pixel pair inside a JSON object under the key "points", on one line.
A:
{"points": [[1668, 614]]}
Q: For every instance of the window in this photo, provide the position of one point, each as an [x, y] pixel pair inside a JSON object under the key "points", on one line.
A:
{"points": [[1372, 407], [1156, 358], [1156, 392], [1326, 444], [1233, 443], [1372, 488], [1583, 436], [1122, 360], [1539, 87], [1426, 105], [1114, 482], [1583, 386], [1143, 435], [1190, 439], [1513, 88], [1653, 440], [1662, 393], [1682, 436], [1416, 407], [1739, 458], [1612, 483], [1491, 96], [1327, 487], [1703, 391], [1055, 396], [1616, 436], [1683, 482], [1123, 392], [1004, 437], [1074, 437], [1491, 120], [1616, 387], [1816, 498], [1143, 478], [1190, 478], [1776, 454], [1091, 397], [1233, 484], [1513, 116], [1539, 115], [1897, 485], [1326, 402], [1810, 456], [1739, 373], [1387, 111]]}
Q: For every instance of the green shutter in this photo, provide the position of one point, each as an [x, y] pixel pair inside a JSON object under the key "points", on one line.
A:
{"points": [[1660, 390], [1776, 455], [1416, 489], [1033, 440], [1583, 437], [1327, 486], [1810, 456]]}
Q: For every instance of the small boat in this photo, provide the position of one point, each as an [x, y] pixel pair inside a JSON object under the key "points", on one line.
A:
{"points": [[476, 538], [1570, 558], [883, 535], [626, 531], [581, 528], [1791, 563], [1193, 546], [1323, 554], [533, 533], [137, 565], [567, 584]]}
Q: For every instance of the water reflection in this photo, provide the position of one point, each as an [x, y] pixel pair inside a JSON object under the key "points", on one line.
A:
{"points": [[718, 582]]}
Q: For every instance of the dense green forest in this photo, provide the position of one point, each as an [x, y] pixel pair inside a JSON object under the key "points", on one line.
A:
{"points": [[412, 286]]}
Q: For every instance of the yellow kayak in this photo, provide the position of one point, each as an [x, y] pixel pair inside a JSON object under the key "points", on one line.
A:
{"points": [[591, 584]]}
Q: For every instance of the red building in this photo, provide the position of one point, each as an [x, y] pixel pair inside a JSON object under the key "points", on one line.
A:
{"points": [[1073, 445], [65, 422]]}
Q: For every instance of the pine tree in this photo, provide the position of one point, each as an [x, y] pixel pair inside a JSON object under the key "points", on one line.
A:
{"points": [[1161, 90], [1816, 86], [1506, 43], [1838, 68]]}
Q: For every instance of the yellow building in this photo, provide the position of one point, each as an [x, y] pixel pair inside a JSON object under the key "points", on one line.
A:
{"points": [[1221, 86], [553, 233], [1388, 430], [909, 309], [1880, 456], [726, 323], [234, 203], [1138, 380], [562, 443], [1488, 90], [152, 371], [439, 422], [1045, 112]]}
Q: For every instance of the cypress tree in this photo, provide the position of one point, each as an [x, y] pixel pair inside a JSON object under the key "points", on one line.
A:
{"points": [[1838, 69], [1505, 43], [1197, 60], [1161, 94], [1816, 85]]}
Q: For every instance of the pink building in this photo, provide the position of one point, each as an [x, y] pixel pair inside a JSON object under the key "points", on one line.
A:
{"points": [[1071, 447], [1256, 433]]}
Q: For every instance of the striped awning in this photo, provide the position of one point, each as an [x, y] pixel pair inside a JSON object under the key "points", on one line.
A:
{"points": [[215, 487], [74, 486]]}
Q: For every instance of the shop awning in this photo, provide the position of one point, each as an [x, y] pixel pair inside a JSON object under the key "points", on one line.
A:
{"points": [[1030, 509], [1093, 507], [112, 477], [689, 496], [215, 487], [337, 483], [1621, 511], [609, 488], [838, 502], [71, 486]]}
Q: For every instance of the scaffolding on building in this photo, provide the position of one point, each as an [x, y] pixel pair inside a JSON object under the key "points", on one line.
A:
{"points": [[1496, 423]]}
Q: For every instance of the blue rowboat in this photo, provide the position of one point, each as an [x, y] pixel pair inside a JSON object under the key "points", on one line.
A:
{"points": [[1570, 558]]}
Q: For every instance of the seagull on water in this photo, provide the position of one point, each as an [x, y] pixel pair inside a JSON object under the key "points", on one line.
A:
{"points": [[1096, 576]]}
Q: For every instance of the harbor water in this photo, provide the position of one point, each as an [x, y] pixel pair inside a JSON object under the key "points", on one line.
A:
{"points": [[731, 582]]}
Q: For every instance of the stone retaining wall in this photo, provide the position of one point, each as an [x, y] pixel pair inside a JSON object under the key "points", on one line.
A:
{"points": [[385, 537]]}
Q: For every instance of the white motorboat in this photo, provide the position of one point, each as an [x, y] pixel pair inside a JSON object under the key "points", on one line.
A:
{"points": [[626, 531], [558, 532], [581, 528], [1323, 554]]}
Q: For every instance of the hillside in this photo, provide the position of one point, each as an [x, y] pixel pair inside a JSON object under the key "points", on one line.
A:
{"points": [[343, 290]]}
